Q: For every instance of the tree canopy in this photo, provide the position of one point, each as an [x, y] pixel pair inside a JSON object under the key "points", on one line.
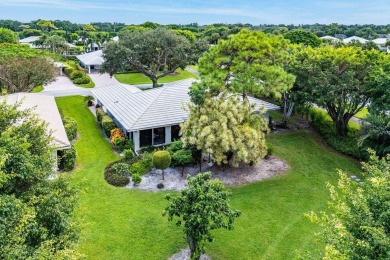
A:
{"points": [[23, 68], [303, 37], [7, 36], [155, 53], [202, 207], [249, 62], [35, 213], [359, 226]]}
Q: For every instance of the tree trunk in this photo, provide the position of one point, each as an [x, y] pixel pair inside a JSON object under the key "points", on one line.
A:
{"points": [[195, 255], [154, 80], [162, 172], [342, 126], [287, 110]]}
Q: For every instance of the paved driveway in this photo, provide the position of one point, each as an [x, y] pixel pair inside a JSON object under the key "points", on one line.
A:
{"points": [[62, 83], [102, 80]]}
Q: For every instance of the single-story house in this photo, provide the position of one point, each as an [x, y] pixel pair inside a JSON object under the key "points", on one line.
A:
{"points": [[381, 43], [91, 60], [30, 41], [46, 109], [329, 38], [152, 117], [60, 66], [355, 38]]}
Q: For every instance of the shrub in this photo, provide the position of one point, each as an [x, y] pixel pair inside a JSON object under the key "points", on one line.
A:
{"points": [[82, 80], [67, 159], [138, 168], [68, 71], [269, 152], [121, 168], [128, 153], [181, 157], [76, 75], [120, 143], [348, 145], [136, 179], [149, 149], [161, 159], [115, 179], [115, 134], [99, 114], [147, 160], [175, 146], [160, 185], [107, 124], [70, 126]]}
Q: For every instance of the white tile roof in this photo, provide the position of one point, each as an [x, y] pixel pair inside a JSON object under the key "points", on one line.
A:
{"points": [[92, 58], [356, 38], [327, 37], [29, 39], [381, 41], [46, 109], [152, 108]]}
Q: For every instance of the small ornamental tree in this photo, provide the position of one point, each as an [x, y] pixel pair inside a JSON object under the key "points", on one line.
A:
{"points": [[161, 160], [202, 207], [359, 226]]}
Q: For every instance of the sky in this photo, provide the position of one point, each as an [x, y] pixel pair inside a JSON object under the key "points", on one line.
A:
{"points": [[200, 11]]}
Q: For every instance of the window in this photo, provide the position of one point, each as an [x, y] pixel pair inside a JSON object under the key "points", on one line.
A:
{"points": [[175, 130], [159, 136], [145, 138]]}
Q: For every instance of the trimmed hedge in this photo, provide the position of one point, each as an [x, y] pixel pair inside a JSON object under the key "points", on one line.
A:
{"points": [[121, 168], [136, 178], [99, 114], [323, 124], [138, 168], [107, 124], [68, 71], [67, 159], [70, 127], [82, 80]]}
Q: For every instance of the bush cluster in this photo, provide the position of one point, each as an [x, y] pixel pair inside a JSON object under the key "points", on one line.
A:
{"points": [[117, 175], [76, 74], [68, 71], [82, 80], [136, 179], [99, 115], [67, 159], [107, 124], [70, 126], [180, 156], [116, 134], [128, 153], [323, 124], [139, 168]]}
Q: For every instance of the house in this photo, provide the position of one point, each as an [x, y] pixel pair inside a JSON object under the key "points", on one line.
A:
{"points": [[93, 47], [381, 43], [46, 109], [152, 117], [355, 38], [91, 60], [340, 36], [330, 38], [60, 66], [30, 41]]}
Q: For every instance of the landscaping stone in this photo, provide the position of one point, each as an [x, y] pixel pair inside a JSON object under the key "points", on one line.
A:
{"points": [[265, 169], [185, 254]]}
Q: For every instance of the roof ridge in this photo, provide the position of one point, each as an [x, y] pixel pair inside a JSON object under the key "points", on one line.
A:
{"points": [[150, 104]]}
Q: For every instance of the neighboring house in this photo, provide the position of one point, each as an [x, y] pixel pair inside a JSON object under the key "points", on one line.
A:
{"points": [[91, 60], [152, 117], [93, 47], [355, 38], [381, 43], [330, 38], [60, 66], [340, 36], [30, 41], [46, 109], [115, 38]]}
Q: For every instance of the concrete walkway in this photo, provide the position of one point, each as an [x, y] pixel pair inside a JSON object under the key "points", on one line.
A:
{"points": [[60, 84], [196, 73], [102, 80]]}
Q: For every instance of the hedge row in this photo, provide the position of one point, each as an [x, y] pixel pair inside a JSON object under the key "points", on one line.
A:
{"points": [[347, 145], [77, 76], [67, 159], [70, 127]]}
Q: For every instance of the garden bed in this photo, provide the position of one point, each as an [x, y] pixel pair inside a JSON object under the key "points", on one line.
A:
{"points": [[265, 169]]}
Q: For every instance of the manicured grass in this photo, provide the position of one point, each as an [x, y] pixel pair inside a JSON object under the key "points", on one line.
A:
{"points": [[363, 113], [118, 223], [194, 67], [91, 84], [37, 89], [139, 78]]}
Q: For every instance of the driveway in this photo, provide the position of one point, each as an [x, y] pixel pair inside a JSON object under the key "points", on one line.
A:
{"points": [[60, 84], [102, 80]]}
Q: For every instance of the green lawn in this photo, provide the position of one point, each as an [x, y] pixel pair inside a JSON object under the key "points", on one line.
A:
{"points": [[194, 67], [362, 114], [37, 89], [139, 78], [118, 223]]}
